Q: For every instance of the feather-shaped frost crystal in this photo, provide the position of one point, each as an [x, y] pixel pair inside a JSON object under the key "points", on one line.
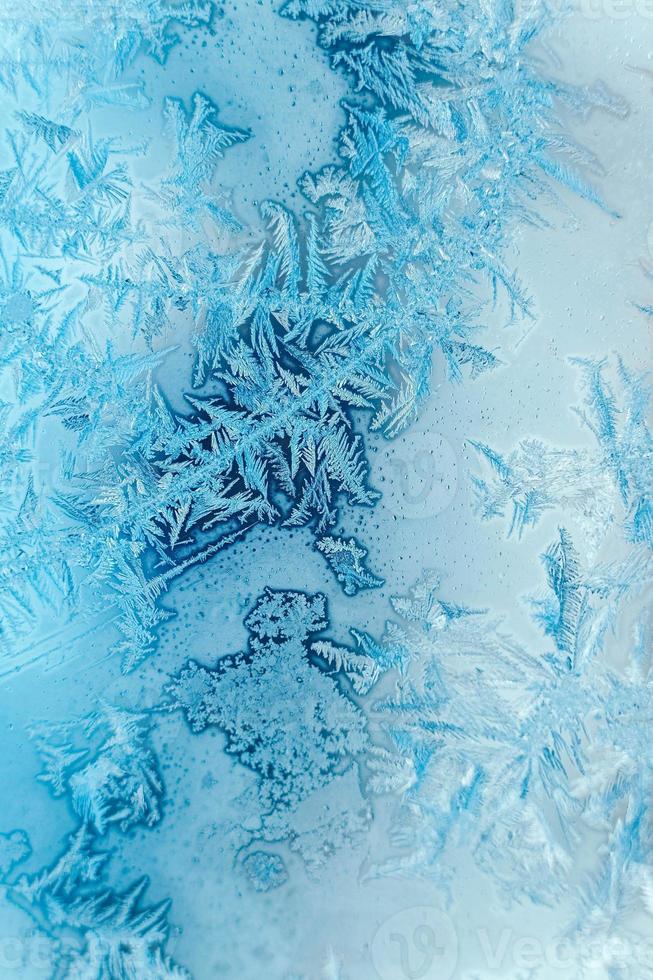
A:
{"points": [[338, 311], [346, 559]]}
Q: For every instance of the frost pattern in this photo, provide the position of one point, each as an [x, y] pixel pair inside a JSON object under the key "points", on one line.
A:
{"points": [[611, 483], [120, 938], [14, 848], [116, 782], [338, 310], [326, 318], [596, 614], [285, 718], [97, 932], [265, 871], [346, 559], [515, 756]]}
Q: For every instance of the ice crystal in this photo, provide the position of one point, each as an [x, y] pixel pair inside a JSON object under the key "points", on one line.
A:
{"points": [[101, 933], [201, 142], [303, 333], [612, 482], [494, 745], [14, 848], [284, 718], [346, 559], [265, 871], [118, 937], [327, 315], [117, 30], [116, 781], [288, 716]]}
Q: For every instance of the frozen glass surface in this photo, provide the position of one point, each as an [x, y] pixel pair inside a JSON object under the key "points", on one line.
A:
{"points": [[326, 490]]}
